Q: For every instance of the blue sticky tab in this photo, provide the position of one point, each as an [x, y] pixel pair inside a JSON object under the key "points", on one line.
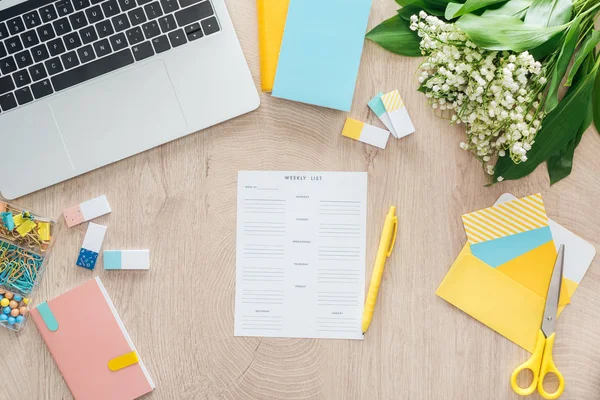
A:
{"points": [[112, 259], [499, 251], [376, 105], [8, 221], [87, 259], [48, 317]]}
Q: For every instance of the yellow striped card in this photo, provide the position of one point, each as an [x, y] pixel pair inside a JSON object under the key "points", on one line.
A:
{"points": [[510, 218], [394, 107]]}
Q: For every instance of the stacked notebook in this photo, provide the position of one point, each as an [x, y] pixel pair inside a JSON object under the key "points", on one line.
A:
{"points": [[310, 50], [91, 346]]}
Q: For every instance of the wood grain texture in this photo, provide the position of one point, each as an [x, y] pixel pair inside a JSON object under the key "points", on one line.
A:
{"points": [[179, 200]]}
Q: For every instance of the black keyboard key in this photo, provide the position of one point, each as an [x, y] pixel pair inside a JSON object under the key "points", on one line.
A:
{"points": [[69, 60], [88, 35], [167, 23], [37, 72], [24, 59], [142, 51], [142, 2], [6, 84], [177, 38], [53, 66], [29, 38], [97, 1], [21, 78], [41, 89], [137, 16], [8, 101], [62, 26], [78, 20], [13, 44], [187, 3], [102, 48], [15, 25], [94, 14], [3, 52], [40, 53], [120, 22], [104, 29], [210, 25], [3, 31], [56, 47], [48, 13], [110, 8], [127, 5], [24, 96], [46, 32], [86, 53], [8, 65], [64, 7], [32, 19], [153, 10], [193, 31], [118, 41], [161, 44], [151, 29], [81, 4], [135, 35], [72, 41], [194, 13], [169, 6], [92, 70]]}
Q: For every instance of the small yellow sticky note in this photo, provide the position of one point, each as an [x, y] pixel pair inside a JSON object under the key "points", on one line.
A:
{"points": [[18, 219], [44, 231], [26, 227], [123, 361]]}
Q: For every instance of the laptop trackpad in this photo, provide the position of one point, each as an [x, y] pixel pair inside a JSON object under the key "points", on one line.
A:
{"points": [[118, 116]]}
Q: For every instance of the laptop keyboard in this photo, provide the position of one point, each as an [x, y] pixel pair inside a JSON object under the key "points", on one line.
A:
{"points": [[49, 46]]}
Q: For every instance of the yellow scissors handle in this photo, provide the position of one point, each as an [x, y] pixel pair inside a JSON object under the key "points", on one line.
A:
{"points": [[541, 364]]}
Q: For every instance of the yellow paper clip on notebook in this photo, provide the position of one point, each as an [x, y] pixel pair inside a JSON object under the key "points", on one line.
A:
{"points": [[271, 23]]}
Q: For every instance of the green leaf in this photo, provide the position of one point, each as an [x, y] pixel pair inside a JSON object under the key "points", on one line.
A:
{"points": [[586, 48], [456, 10], [558, 128], [596, 102], [561, 164], [394, 34], [549, 12], [513, 8], [433, 7], [503, 32], [407, 11], [562, 63], [547, 48]]}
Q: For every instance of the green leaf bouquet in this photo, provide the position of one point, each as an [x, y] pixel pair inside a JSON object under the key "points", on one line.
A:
{"points": [[497, 67]]}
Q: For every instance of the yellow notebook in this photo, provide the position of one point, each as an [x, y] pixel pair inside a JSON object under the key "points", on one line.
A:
{"points": [[271, 22]]}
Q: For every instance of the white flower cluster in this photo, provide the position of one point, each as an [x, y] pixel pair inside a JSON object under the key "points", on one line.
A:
{"points": [[496, 94]]}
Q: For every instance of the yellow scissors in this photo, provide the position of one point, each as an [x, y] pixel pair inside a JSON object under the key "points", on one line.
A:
{"points": [[541, 362]]}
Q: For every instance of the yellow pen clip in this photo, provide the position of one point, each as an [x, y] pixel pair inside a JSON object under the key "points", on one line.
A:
{"points": [[395, 221]]}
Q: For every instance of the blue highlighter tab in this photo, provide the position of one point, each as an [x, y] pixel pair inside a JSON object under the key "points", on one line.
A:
{"points": [[376, 105], [48, 317], [112, 259]]}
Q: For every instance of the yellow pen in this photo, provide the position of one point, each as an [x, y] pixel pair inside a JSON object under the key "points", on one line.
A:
{"points": [[386, 244]]}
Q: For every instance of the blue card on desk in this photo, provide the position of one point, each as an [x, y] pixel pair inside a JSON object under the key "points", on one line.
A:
{"points": [[321, 50]]}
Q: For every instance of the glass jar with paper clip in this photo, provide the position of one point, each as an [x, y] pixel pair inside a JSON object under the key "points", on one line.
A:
{"points": [[26, 240]]}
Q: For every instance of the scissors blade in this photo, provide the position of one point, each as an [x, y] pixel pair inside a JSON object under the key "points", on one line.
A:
{"points": [[551, 309]]}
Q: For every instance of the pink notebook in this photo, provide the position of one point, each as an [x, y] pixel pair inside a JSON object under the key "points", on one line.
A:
{"points": [[84, 334]]}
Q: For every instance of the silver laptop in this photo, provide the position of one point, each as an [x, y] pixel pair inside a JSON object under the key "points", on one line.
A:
{"points": [[84, 83]]}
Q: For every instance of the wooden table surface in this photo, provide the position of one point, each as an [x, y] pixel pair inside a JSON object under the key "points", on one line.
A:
{"points": [[179, 201]]}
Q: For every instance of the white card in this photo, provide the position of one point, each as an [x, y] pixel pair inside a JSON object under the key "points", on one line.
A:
{"points": [[300, 256]]}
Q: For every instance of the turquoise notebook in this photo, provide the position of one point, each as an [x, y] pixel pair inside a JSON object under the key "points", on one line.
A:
{"points": [[320, 52]]}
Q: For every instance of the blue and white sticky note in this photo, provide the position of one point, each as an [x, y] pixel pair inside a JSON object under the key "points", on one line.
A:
{"points": [[376, 105], [365, 133], [396, 110], [126, 259], [92, 243]]}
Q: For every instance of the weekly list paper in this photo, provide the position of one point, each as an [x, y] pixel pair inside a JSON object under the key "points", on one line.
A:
{"points": [[300, 257]]}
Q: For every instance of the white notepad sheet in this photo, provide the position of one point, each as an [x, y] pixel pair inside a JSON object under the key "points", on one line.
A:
{"points": [[300, 256]]}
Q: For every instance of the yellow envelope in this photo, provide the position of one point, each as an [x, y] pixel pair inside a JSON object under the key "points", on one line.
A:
{"points": [[509, 299]]}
